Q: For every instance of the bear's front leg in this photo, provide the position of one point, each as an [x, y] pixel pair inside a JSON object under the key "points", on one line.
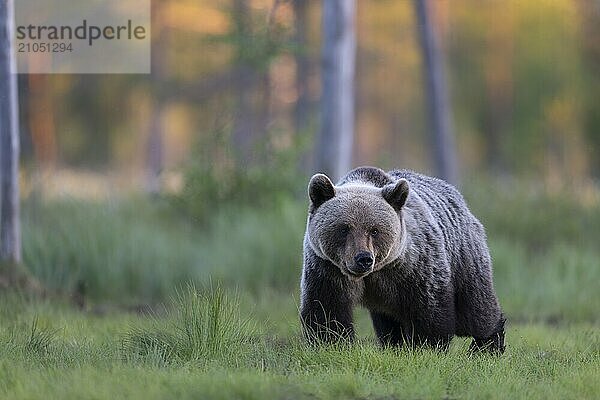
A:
{"points": [[388, 331], [494, 343], [326, 306], [324, 324]]}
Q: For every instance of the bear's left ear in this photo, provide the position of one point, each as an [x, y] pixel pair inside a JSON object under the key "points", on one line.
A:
{"points": [[396, 193], [320, 189]]}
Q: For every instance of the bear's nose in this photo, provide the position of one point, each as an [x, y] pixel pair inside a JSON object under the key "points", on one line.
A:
{"points": [[363, 261]]}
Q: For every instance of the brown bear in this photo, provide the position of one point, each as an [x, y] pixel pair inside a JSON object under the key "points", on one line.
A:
{"points": [[406, 247]]}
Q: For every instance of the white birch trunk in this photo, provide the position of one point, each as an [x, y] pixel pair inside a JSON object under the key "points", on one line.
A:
{"points": [[335, 141], [437, 96], [10, 228]]}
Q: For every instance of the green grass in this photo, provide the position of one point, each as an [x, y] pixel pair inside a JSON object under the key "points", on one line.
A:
{"points": [[239, 335], [135, 251], [207, 347], [558, 284]]}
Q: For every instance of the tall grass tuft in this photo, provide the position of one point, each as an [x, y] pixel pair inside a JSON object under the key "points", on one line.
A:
{"points": [[204, 326], [39, 339], [28, 340]]}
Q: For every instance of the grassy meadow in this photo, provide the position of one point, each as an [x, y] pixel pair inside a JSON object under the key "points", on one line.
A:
{"points": [[145, 304]]}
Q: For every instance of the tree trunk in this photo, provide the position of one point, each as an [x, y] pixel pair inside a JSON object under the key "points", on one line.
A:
{"points": [[437, 96], [301, 109], [154, 145], [338, 52], [244, 119], [10, 228], [589, 13]]}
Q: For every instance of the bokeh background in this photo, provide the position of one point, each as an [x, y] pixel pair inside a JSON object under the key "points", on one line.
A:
{"points": [[523, 81], [133, 185]]}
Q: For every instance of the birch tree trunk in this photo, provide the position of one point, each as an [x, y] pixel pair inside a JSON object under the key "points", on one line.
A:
{"points": [[10, 228], [244, 119], [155, 142], [437, 96], [301, 109], [338, 53]]}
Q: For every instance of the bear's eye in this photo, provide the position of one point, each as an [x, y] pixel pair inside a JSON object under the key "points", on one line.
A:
{"points": [[344, 229], [374, 232]]}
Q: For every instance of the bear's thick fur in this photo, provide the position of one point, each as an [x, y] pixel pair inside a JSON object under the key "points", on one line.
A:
{"points": [[406, 247]]}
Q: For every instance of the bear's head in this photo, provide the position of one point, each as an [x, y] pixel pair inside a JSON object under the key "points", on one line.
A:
{"points": [[356, 226]]}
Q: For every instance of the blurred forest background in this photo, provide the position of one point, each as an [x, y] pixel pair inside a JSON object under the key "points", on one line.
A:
{"points": [[135, 184], [236, 83]]}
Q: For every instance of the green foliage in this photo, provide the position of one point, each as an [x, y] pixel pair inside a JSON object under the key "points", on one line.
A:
{"points": [[521, 88], [544, 249], [255, 43], [557, 285], [214, 177], [129, 252], [536, 219], [257, 250], [114, 251]]}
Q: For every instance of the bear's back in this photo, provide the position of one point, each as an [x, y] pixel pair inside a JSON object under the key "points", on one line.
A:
{"points": [[440, 196], [464, 236]]}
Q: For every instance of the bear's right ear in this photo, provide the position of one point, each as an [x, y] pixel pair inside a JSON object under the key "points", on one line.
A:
{"points": [[396, 193], [320, 189]]}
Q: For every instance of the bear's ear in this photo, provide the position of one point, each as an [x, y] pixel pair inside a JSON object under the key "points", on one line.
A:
{"points": [[320, 189], [396, 193]]}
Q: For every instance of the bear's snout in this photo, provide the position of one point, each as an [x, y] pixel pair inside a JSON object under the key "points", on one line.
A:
{"points": [[363, 263]]}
